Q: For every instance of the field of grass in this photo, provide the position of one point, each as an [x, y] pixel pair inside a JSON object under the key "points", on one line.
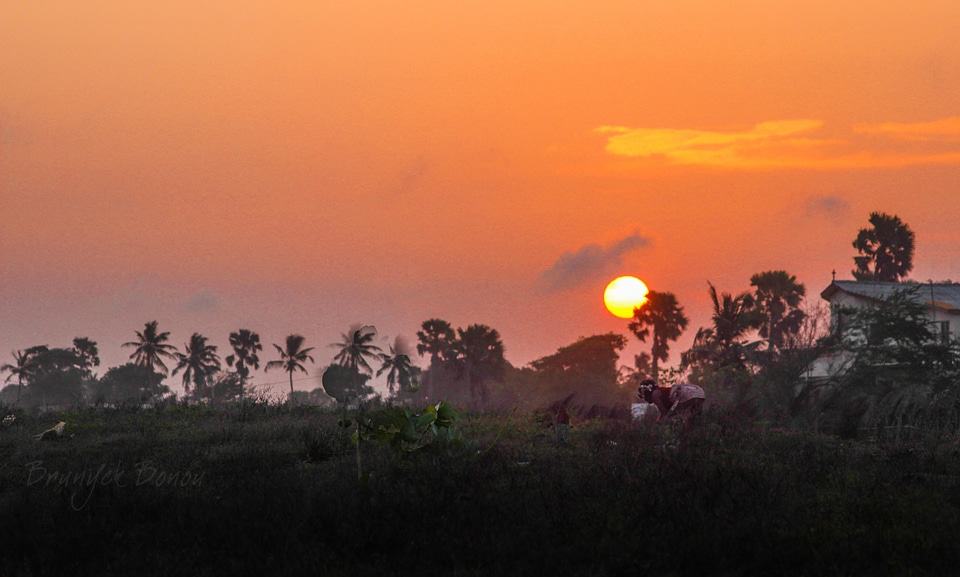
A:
{"points": [[273, 490]]}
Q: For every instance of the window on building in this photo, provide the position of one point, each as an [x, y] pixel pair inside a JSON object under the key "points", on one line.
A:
{"points": [[836, 319]]}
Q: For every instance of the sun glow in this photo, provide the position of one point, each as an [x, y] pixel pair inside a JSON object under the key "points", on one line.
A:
{"points": [[624, 294]]}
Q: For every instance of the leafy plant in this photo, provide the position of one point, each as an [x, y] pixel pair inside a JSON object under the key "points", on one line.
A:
{"points": [[402, 430], [405, 431]]}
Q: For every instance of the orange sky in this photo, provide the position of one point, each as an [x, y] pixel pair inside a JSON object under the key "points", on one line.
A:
{"points": [[303, 166]]}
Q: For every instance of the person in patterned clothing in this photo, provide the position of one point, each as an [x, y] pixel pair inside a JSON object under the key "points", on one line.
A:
{"points": [[681, 400]]}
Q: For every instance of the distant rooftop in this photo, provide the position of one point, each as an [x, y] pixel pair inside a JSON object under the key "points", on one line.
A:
{"points": [[942, 296]]}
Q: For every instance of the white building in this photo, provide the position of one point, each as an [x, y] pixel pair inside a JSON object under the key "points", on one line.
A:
{"points": [[942, 303]]}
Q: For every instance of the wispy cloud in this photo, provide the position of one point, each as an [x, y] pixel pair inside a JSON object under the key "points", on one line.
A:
{"points": [[792, 144], [202, 301], [945, 129], [589, 262], [827, 207]]}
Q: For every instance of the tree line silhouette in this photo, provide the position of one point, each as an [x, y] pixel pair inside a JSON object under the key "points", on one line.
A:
{"points": [[64, 376], [751, 357]]}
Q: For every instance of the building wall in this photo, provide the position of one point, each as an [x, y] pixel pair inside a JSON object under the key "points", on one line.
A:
{"points": [[952, 320], [843, 299], [836, 362]]}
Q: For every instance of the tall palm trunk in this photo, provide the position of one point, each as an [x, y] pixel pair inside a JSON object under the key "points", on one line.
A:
{"points": [[655, 364]]}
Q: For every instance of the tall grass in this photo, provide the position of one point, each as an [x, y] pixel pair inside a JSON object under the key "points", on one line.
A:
{"points": [[269, 490]]}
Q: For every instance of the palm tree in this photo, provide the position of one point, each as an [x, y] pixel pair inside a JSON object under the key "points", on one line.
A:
{"points": [[478, 354], [356, 347], [436, 338], [722, 345], [888, 246], [401, 371], [777, 298], [662, 316], [199, 362], [292, 357], [733, 316], [246, 345], [87, 354], [150, 347], [24, 367]]}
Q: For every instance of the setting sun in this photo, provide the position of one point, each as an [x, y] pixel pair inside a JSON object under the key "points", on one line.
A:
{"points": [[216, 166], [624, 294]]}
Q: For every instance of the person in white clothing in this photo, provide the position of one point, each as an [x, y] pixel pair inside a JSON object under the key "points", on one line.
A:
{"points": [[645, 413]]}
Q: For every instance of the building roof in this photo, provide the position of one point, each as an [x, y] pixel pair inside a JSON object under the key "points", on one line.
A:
{"points": [[944, 296]]}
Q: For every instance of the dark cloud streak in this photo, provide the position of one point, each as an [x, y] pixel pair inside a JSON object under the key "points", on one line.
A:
{"points": [[833, 208], [590, 262]]}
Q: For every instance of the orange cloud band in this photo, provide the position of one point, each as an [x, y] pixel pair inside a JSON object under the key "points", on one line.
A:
{"points": [[785, 144], [947, 129]]}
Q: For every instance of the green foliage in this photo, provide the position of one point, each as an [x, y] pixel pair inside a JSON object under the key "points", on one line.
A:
{"points": [[779, 391], [465, 364], [726, 498], [900, 374], [58, 388], [755, 382], [128, 382], [729, 387], [405, 431], [319, 397], [586, 368], [436, 338], [594, 356], [226, 387], [56, 376], [724, 348], [478, 358], [671, 376]]}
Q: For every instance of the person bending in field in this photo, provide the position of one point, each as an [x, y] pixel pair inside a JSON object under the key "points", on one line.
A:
{"points": [[644, 412], [681, 400]]}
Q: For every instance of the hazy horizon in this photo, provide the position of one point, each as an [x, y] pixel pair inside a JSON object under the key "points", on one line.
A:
{"points": [[300, 168]]}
